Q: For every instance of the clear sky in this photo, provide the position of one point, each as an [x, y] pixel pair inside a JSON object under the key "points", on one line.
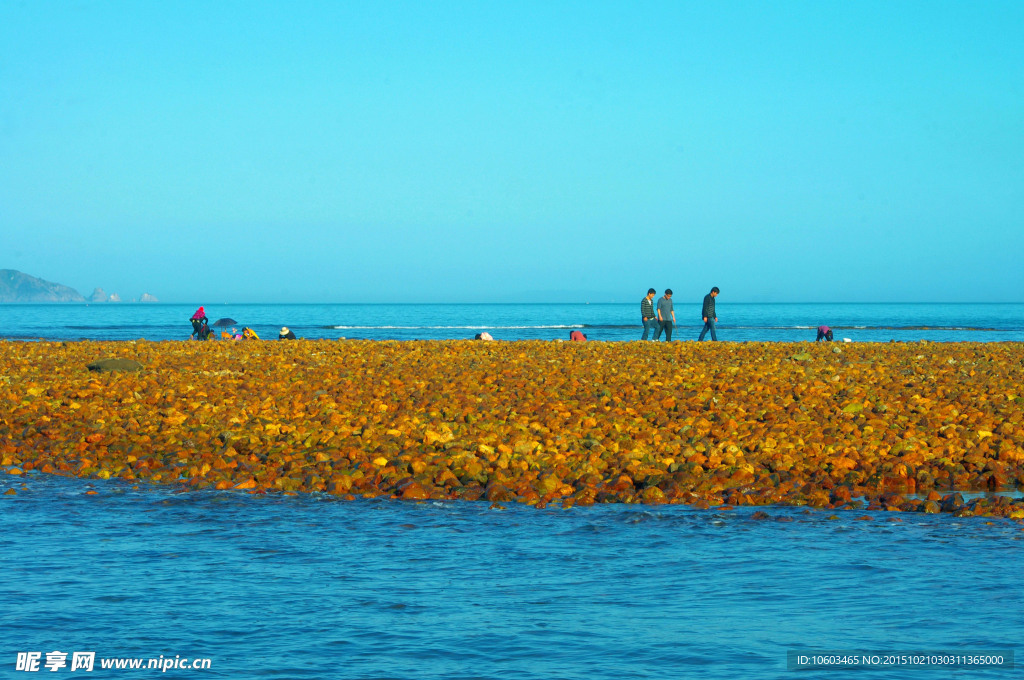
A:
{"points": [[515, 151]]}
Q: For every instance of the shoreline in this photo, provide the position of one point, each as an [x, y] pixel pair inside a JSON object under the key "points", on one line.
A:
{"points": [[904, 425], [688, 340]]}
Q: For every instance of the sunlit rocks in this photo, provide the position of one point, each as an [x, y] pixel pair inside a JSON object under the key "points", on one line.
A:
{"points": [[890, 427]]}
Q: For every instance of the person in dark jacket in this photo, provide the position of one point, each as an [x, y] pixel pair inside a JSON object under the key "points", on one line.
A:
{"points": [[286, 334], [198, 320], [709, 315], [647, 315]]}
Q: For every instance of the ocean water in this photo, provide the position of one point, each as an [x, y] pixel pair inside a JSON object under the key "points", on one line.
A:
{"points": [[311, 587], [876, 322]]}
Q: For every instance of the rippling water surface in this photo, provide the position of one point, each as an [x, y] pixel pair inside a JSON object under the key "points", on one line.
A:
{"points": [[311, 587], [785, 322]]}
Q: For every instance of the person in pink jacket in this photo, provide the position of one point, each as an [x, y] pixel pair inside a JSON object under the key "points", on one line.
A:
{"points": [[198, 319]]}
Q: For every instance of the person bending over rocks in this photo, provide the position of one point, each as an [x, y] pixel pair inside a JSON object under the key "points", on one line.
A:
{"points": [[198, 319]]}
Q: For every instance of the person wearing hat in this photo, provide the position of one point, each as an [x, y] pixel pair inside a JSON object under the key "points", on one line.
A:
{"points": [[198, 320], [285, 334]]}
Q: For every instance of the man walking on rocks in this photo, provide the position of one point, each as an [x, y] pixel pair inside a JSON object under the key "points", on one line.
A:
{"points": [[707, 313], [666, 316], [647, 313]]}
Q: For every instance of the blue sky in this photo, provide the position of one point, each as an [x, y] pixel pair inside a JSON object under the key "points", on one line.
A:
{"points": [[484, 151]]}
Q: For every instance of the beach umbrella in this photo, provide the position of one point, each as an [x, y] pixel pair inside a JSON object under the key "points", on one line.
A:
{"points": [[226, 321]]}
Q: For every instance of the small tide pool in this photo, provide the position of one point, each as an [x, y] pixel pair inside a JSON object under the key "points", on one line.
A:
{"points": [[311, 587]]}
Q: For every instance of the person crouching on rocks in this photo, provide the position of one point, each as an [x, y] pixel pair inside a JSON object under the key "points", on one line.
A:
{"points": [[198, 319], [824, 333], [286, 334]]}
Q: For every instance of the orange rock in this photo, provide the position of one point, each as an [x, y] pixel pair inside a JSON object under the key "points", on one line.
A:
{"points": [[499, 492], [414, 491]]}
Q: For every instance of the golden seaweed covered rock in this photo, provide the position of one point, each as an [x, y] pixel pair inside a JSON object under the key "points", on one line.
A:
{"points": [[902, 426]]}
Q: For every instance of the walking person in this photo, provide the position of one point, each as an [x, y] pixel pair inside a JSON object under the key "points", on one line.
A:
{"points": [[707, 313], [647, 315], [666, 316]]}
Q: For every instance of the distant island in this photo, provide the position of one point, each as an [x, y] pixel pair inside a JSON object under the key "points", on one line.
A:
{"points": [[17, 286]]}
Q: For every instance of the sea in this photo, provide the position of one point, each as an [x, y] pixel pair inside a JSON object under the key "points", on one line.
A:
{"points": [[738, 322], [310, 586]]}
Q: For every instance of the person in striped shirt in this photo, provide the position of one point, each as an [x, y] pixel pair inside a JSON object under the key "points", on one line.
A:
{"points": [[647, 316]]}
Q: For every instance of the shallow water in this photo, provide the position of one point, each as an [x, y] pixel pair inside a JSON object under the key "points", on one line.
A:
{"points": [[782, 322], [311, 587]]}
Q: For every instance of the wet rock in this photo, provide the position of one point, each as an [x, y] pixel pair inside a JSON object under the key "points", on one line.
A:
{"points": [[548, 484], [446, 478], [892, 499], [473, 492], [106, 365], [414, 491], [952, 502], [499, 492], [841, 495], [653, 495], [623, 483]]}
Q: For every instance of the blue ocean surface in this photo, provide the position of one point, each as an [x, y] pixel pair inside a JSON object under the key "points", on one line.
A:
{"points": [[312, 587], [738, 322]]}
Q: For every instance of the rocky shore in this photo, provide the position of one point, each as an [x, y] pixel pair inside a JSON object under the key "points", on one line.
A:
{"points": [[919, 427]]}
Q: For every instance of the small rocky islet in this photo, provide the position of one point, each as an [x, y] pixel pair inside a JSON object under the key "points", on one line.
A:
{"points": [[856, 426]]}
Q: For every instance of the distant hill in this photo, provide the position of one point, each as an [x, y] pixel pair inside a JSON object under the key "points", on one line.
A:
{"points": [[18, 287]]}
